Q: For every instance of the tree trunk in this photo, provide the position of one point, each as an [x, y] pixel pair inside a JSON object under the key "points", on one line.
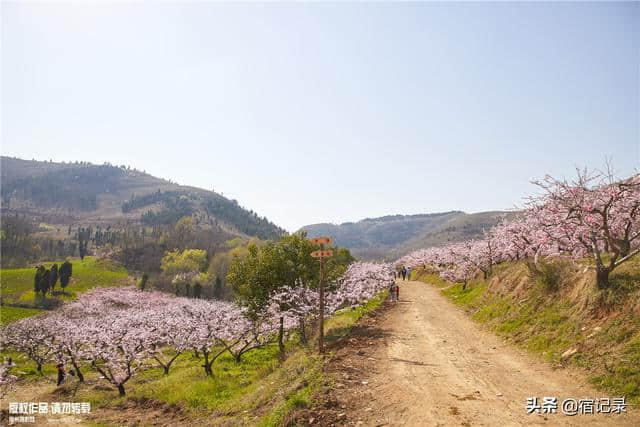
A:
{"points": [[80, 376], [206, 365], [303, 332], [121, 389], [166, 369], [207, 369], [281, 338], [625, 248], [602, 277], [464, 285]]}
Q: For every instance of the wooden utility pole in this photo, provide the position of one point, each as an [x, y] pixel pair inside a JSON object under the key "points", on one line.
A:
{"points": [[322, 253], [321, 317]]}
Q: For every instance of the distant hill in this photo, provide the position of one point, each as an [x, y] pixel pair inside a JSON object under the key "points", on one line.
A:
{"points": [[390, 237], [87, 194]]}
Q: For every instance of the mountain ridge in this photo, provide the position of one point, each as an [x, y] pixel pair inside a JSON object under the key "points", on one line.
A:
{"points": [[391, 236], [85, 193]]}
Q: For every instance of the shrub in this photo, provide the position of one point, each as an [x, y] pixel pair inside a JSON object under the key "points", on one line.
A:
{"points": [[143, 281]]}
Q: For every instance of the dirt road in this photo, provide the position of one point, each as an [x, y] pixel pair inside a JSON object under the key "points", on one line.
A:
{"points": [[437, 367]]}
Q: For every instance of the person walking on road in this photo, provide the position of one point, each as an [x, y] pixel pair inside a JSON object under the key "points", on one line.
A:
{"points": [[404, 273], [392, 291], [408, 273], [397, 293]]}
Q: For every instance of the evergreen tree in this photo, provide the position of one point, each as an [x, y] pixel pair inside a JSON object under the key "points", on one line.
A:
{"points": [[217, 290], [65, 272], [37, 283], [53, 278], [197, 290], [44, 282], [84, 235]]}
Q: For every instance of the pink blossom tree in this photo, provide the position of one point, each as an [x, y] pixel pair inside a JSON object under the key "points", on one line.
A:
{"points": [[32, 336], [117, 346], [70, 341], [217, 326], [170, 329], [594, 215]]}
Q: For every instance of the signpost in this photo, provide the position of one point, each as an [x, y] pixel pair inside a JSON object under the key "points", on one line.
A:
{"points": [[322, 254]]}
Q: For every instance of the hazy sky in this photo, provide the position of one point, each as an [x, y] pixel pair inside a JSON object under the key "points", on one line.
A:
{"points": [[328, 112]]}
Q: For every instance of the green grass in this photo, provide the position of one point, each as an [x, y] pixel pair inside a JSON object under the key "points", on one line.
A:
{"points": [[199, 392], [17, 284], [26, 368], [12, 314], [470, 297], [305, 369], [429, 277], [624, 374], [498, 309]]}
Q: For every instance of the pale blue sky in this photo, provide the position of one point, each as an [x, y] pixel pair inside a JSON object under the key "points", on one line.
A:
{"points": [[328, 112]]}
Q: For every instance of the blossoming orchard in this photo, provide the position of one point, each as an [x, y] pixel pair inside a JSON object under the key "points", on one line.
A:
{"points": [[119, 331], [594, 216]]}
